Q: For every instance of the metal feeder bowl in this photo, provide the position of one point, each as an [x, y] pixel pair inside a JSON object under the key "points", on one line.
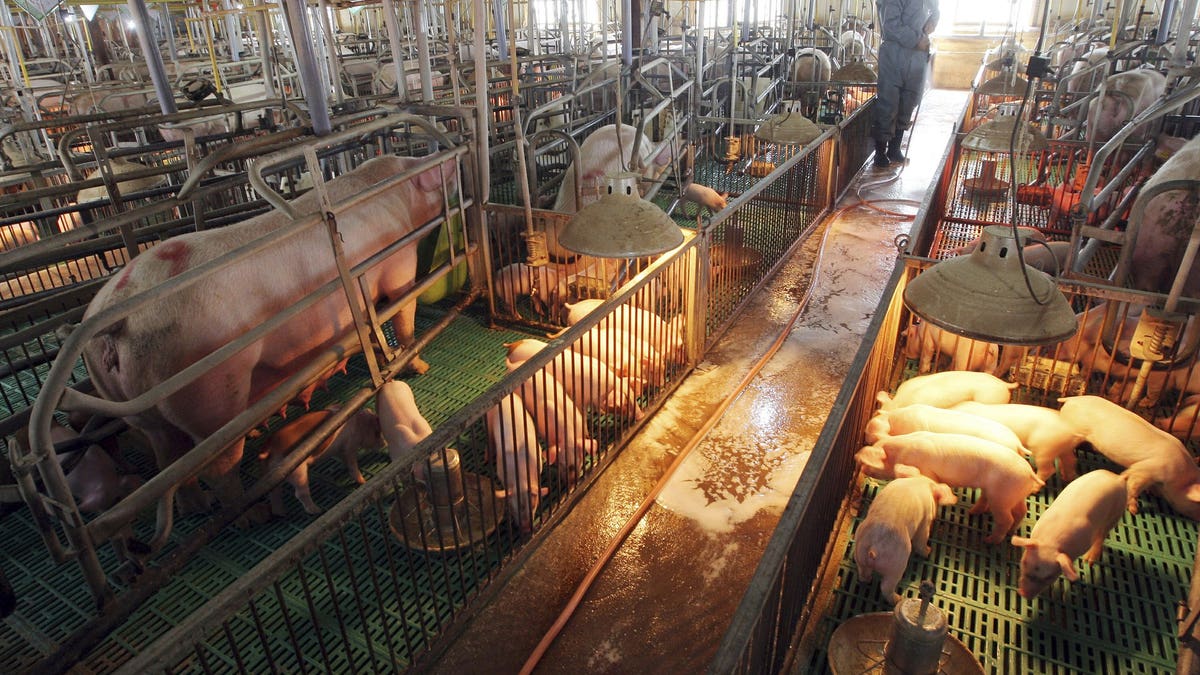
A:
{"points": [[453, 509]]}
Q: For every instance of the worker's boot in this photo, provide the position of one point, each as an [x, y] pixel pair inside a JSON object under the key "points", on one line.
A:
{"points": [[881, 156], [893, 149]]}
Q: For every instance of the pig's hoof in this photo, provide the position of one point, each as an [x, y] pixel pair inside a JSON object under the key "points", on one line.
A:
{"points": [[418, 366]]}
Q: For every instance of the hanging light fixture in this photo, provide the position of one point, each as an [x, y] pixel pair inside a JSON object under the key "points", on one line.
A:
{"points": [[989, 295], [1003, 85], [621, 224], [89, 11], [788, 128], [995, 135]]}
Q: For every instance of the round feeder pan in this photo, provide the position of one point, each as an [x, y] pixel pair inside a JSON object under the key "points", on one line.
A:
{"points": [[734, 260], [986, 185], [413, 513], [857, 646]]}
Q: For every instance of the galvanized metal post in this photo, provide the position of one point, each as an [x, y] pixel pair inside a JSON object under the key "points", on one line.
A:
{"points": [[263, 28], [331, 50], [423, 54], [393, 30], [158, 75], [310, 78], [233, 31]]}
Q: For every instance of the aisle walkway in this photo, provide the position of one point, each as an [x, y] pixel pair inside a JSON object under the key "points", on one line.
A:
{"points": [[665, 601]]}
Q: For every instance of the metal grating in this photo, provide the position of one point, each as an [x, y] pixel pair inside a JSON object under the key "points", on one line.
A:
{"points": [[1118, 618]]}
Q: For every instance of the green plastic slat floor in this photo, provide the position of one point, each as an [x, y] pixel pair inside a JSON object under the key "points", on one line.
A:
{"points": [[53, 600], [1118, 618]]}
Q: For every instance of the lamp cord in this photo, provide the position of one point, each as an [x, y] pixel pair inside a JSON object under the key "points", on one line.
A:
{"points": [[1012, 166]]}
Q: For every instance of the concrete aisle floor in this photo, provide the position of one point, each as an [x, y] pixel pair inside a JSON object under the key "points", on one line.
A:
{"points": [[666, 599]]}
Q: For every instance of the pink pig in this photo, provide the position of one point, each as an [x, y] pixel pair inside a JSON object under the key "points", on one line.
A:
{"points": [[1152, 457], [513, 439], [897, 524], [926, 341], [1040, 429], [1004, 478], [1075, 523], [559, 422], [400, 420], [359, 432], [943, 390], [921, 417]]}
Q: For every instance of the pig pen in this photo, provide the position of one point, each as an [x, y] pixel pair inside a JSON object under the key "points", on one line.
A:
{"points": [[1122, 615], [361, 587]]}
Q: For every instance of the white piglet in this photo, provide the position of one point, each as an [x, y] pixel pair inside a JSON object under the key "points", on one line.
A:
{"points": [[1152, 457], [513, 439], [1040, 429], [927, 342], [897, 525], [559, 422], [1075, 524], [921, 417], [360, 432], [1004, 479], [943, 390], [400, 421]]}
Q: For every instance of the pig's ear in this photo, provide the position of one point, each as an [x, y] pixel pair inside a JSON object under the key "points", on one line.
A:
{"points": [[552, 454], [1193, 492], [883, 398], [501, 494], [544, 491], [1067, 565], [1022, 542]]}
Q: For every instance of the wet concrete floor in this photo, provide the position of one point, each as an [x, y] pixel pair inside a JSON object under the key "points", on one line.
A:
{"points": [[666, 599]]}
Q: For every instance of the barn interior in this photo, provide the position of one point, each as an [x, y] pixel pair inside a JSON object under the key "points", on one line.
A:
{"points": [[601, 306]]}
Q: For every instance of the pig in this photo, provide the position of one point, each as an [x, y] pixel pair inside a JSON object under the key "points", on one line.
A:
{"points": [[520, 351], [513, 440], [559, 422], [1167, 223], [705, 196], [588, 381], [93, 477], [1003, 477], [898, 524], [811, 65], [1151, 456], [635, 360], [1086, 74], [360, 432], [544, 285], [925, 341], [1087, 349], [599, 156], [921, 417], [1126, 95], [643, 324], [1183, 423], [1075, 524], [1041, 431], [943, 390], [166, 335], [400, 421]]}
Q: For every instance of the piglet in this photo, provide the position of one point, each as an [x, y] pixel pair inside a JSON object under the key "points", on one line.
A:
{"points": [[94, 478], [559, 422], [631, 358], [1152, 457], [927, 342], [360, 432], [943, 390], [400, 421], [1183, 423], [1004, 478], [520, 351], [921, 417], [897, 524], [513, 439], [588, 381], [1075, 523], [705, 196], [642, 323], [1040, 429], [543, 285]]}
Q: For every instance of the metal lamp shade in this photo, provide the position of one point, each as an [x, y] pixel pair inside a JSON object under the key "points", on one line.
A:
{"points": [[983, 296], [994, 136], [788, 128], [1003, 85], [620, 226]]}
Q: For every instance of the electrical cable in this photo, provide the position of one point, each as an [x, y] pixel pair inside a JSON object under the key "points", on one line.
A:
{"points": [[615, 543]]}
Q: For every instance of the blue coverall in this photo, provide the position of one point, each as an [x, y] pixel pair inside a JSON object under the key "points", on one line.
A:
{"points": [[901, 65]]}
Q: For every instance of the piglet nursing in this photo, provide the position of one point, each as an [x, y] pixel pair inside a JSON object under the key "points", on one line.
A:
{"points": [[360, 432], [1075, 523], [897, 524]]}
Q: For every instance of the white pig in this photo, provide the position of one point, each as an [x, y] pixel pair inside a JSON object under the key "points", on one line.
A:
{"points": [[1127, 94], [1152, 457], [943, 390], [588, 381], [1004, 478], [1075, 524], [705, 196], [633, 359], [360, 432], [94, 478], [1167, 223], [1081, 83], [513, 439], [811, 65], [1041, 431], [897, 524], [927, 341], [542, 284], [921, 417], [400, 421], [643, 323], [559, 422], [520, 351], [1183, 424]]}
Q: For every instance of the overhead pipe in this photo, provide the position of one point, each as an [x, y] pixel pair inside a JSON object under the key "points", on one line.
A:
{"points": [[158, 74], [310, 77]]}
